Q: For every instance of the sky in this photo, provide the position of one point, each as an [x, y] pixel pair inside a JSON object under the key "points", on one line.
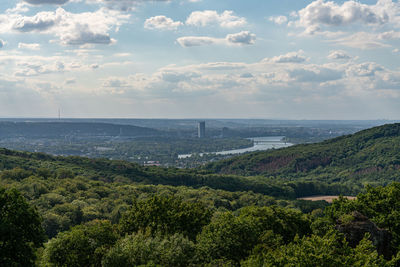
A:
{"points": [[200, 59]]}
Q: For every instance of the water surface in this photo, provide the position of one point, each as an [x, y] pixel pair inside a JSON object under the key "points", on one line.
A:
{"points": [[260, 143]]}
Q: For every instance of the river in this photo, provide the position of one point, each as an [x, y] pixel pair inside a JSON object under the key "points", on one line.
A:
{"points": [[260, 143]]}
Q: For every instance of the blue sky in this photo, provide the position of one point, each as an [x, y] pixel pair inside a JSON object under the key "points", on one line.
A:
{"points": [[200, 59]]}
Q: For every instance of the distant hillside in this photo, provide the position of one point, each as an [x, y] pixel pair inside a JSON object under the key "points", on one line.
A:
{"points": [[78, 129], [370, 156]]}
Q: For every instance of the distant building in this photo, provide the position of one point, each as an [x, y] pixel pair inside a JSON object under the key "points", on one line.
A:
{"points": [[202, 129], [151, 163], [224, 132]]}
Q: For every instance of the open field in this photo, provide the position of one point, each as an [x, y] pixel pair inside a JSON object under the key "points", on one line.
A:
{"points": [[328, 199]]}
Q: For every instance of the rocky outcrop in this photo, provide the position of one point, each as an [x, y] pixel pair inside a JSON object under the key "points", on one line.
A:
{"points": [[356, 229]]}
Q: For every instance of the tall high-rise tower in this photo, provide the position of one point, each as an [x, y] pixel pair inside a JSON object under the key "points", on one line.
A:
{"points": [[202, 129]]}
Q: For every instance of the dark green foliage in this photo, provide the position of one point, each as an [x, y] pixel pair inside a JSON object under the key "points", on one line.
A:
{"points": [[15, 174], [284, 222], [151, 250], [20, 230], [83, 245], [166, 215], [226, 237]]}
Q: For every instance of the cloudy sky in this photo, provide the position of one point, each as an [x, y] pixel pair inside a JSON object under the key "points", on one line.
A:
{"points": [[200, 59]]}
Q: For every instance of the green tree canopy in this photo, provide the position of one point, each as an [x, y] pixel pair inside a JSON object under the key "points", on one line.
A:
{"points": [[83, 245], [20, 230], [144, 248], [167, 215]]}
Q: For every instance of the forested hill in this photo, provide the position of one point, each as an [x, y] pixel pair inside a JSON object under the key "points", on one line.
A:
{"points": [[369, 156], [17, 165], [77, 129]]}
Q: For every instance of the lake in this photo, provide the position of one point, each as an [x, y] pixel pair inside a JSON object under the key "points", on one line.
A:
{"points": [[260, 143]]}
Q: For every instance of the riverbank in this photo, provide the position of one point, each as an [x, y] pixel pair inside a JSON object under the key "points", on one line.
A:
{"points": [[259, 143]]}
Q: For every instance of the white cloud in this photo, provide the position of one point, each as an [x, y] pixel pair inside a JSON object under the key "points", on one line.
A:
{"points": [[82, 34], [364, 69], [279, 19], [175, 76], [361, 40], [2, 43], [123, 5], [29, 46], [188, 41], [19, 8], [71, 28], [320, 13], [21, 65], [318, 75], [389, 35], [35, 69], [338, 54], [48, 2], [122, 55], [291, 57], [266, 81], [42, 21], [161, 23], [240, 38], [115, 82], [227, 19], [220, 66], [350, 23]]}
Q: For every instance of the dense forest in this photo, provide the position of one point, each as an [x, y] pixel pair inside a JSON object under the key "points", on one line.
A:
{"points": [[74, 211]]}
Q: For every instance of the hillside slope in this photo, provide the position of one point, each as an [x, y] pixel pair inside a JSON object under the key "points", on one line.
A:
{"points": [[109, 171], [370, 156]]}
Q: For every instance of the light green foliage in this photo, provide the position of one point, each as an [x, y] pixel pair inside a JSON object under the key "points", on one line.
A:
{"points": [[233, 237], [143, 248], [328, 251], [20, 230], [83, 245]]}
